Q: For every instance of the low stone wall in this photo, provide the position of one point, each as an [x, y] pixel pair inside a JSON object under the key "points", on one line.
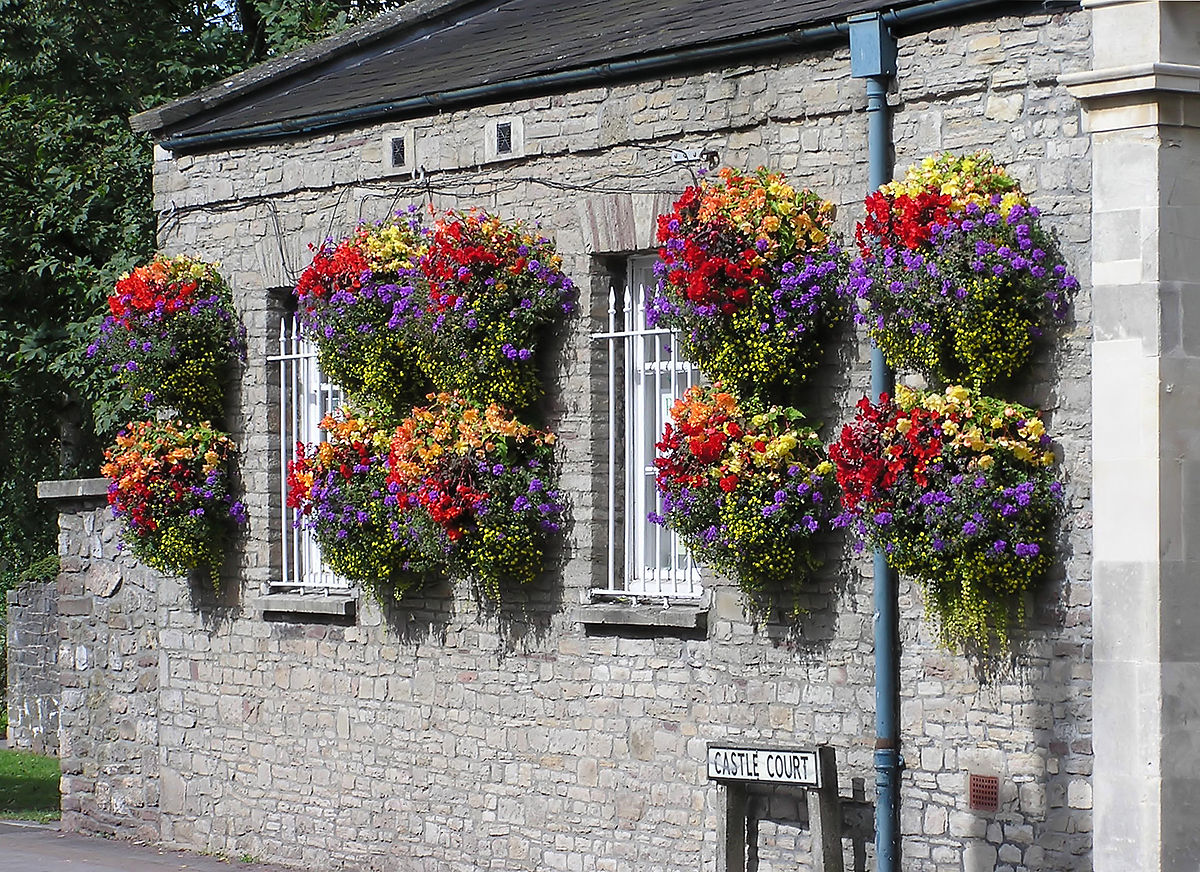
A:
{"points": [[108, 666], [33, 688]]}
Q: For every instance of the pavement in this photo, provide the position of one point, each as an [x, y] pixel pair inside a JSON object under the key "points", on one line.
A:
{"points": [[29, 847]]}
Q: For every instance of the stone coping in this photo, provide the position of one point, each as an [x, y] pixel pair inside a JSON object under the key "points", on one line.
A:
{"points": [[616, 615], [68, 489], [335, 605]]}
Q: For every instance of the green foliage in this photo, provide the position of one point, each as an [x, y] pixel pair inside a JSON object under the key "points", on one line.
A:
{"points": [[278, 26], [76, 209], [28, 786]]}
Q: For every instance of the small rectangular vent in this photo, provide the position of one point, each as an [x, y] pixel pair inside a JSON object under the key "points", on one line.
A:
{"points": [[983, 792], [504, 139], [399, 145]]}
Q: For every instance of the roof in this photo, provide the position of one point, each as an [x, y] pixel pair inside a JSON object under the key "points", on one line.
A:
{"points": [[432, 53]]}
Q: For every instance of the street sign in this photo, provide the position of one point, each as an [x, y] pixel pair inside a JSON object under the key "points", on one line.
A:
{"points": [[775, 765]]}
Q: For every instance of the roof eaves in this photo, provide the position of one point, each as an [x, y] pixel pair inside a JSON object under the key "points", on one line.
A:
{"points": [[411, 14]]}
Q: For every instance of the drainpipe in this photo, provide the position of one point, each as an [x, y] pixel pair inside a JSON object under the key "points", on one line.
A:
{"points": [[873, 57]]}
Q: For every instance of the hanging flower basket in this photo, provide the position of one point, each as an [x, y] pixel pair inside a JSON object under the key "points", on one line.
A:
{"points": [[398, 308], [358, 301], [958, 490], [171, 335], [747, 488], [491, 289], [957, 277], [339, 489], [748, 277], [169, 483], [473, 486], [457, 489]]}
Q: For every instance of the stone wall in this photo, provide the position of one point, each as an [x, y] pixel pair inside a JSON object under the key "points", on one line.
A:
{"points": [[33, 688], [109, 665], [435, 735]]}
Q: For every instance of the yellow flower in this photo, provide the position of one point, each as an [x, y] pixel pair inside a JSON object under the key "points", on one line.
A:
{"points": [[957, 394], [1033, 429]]}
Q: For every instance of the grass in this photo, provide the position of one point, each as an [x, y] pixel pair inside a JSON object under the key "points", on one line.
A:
{"points": [[28, 786]]}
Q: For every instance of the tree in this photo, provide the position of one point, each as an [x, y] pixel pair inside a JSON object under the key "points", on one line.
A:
{"points": [[75, 205]]}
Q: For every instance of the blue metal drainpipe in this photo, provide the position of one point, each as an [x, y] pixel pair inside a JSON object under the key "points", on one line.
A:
{"points": [[873, 57]]}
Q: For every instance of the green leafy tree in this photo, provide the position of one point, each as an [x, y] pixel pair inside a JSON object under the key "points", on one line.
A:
{"points": [[76, 209]]}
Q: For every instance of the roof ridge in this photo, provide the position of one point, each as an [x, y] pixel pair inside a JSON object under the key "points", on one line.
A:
{"points": [[411, 13]]}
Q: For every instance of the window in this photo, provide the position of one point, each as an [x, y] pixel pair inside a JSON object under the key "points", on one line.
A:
{"points": [[305, 398], [646, 374]]}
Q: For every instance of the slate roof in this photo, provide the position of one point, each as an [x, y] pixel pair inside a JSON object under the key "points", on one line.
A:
{"points": [[430, 47]]}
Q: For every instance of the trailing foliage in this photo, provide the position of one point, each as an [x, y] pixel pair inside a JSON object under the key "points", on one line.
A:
{"points": [[958, 278], [747, 487], [169, 482], [957, 489], [748, 277]]}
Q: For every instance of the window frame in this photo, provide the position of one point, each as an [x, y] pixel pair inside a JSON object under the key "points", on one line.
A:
{"points": [[645, 374], [305, 398]]}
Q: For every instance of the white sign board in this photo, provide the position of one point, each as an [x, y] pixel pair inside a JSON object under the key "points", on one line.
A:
{"points": [[777, 765]]}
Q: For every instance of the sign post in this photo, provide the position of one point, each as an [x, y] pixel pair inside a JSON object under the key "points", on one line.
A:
{"points": [[735, 767]]}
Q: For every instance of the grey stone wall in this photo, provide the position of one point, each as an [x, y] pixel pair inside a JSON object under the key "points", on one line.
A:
{"points": [[33, 690], [109, 663], [436, 736]]}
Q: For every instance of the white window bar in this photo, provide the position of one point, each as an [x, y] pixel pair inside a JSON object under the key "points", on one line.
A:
{"points": [[305, 398], [646, 375]]}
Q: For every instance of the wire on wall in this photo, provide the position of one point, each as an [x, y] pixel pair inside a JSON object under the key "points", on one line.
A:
{"points": [[424, 186]]}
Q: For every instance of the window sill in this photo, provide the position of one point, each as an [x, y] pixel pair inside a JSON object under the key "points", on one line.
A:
{"points": [[613, 616], [309, 605]]}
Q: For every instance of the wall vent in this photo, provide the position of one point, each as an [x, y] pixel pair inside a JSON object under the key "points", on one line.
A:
{"points": [[399, 151], [983, 792], [504, 138]]}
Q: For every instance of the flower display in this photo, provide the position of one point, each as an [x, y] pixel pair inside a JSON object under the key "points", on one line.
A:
{"points": [[745, 486], [957, 278], [169, 484], [339, 489], [492, 286], [473, 485], [170, 335], [748, 275], [458, 489], [399, 308], [958, 490], [358, 300], [902, 213]]}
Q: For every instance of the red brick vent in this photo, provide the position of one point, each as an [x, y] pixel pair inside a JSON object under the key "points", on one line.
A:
{"points": [[983, 792]]}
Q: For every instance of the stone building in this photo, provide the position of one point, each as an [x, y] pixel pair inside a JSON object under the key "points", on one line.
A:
{"points": [[566, 730]]}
